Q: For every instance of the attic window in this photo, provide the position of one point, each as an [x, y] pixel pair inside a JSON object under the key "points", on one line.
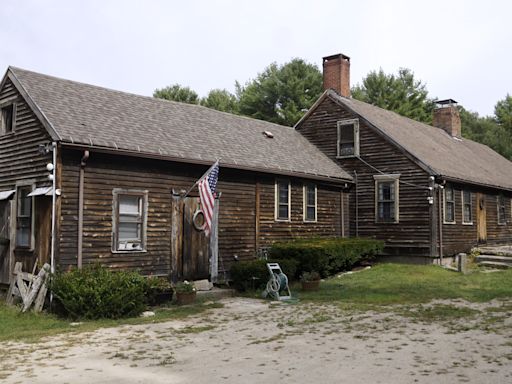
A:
{"points": [[8, 118], [268, 134], [348, 138]]}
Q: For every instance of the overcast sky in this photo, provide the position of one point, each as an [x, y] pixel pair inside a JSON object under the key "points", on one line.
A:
{"points": [[460, 49]]}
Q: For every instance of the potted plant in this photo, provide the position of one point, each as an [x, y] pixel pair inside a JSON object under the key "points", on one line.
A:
{"points": [[310, 281], [185, 293], [159, 291]]}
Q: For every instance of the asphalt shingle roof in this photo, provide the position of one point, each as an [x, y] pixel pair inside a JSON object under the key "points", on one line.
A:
{"points": [[460, 159], [94, 116]]}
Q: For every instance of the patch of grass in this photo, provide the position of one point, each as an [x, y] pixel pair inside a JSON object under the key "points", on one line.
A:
{"points": [[199, 329], [440, 312], [31, 327], [387, 284]]}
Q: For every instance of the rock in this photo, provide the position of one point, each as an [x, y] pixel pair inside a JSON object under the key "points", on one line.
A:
{"points": [[203, 285], [76, 324], [147, 314]]}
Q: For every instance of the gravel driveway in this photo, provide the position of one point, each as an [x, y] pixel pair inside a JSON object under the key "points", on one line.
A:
{"points": [[253, 341]]}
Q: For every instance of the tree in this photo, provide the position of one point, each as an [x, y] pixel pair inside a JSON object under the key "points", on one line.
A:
{"points": [[281, 94], [177, 92], [503, 112], [487, 131], [402, 94], [221, 100]]}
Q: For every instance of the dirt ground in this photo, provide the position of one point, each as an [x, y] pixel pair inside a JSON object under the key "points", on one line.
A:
{"points": [[253, 341]]}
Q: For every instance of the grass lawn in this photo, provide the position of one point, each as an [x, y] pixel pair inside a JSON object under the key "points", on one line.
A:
{"points": [[31, 327], [386, 284], [382, 285]]}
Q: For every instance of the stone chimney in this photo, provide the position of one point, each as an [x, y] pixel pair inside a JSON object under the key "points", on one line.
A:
{"points": [[337, 73], [446, 116]]}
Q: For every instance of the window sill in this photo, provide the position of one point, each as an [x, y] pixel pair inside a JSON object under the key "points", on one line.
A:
{"points": [[450, 222], [347, 157], [131, 251], [471, 223], [283, 220], [309, 221]]}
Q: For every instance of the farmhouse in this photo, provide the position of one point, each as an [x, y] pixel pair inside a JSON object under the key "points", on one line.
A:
{"points": [[92, 175], [426, 190], [120, 164]]}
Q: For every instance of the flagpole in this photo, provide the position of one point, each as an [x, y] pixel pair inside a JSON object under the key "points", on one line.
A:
{"points": [[201, 178]]}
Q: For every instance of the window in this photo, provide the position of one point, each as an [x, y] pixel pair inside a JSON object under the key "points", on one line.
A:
{"points": [[502, 219], [348, 138], [8, 118], [310, 202], [467, 208], [24, 217], [283, 197], [130, 220], [386, 198], [449, 205]]}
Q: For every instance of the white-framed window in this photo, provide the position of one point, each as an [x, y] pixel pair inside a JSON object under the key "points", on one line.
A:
{"points": [[387, 198], [129, 220], [348, 138], [283, 196], [24, 217], [467, 207], [7, 118], [309, 198], [449, 205], [502, 211]]}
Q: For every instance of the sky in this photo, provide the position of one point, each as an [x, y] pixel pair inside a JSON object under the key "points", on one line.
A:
{"points": [[459, 49]]}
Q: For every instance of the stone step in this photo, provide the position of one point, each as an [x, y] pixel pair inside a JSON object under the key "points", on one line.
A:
{"points": [[216, 293], [495, 264], [503, 259], [505, 250]]}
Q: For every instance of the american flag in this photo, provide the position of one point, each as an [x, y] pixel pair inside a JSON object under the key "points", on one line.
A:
{"points": [[207, 192]]}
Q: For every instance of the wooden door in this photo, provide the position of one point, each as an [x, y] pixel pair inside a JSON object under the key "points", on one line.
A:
{"points": [[5, 253], [481, 218], [195, 258]]}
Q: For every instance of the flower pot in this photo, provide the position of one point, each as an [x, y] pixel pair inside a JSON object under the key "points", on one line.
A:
{"points": [[184, 298], [310, 285]]}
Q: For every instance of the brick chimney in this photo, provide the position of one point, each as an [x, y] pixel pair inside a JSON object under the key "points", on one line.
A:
{"points": [[446, 116], [337, 73]]}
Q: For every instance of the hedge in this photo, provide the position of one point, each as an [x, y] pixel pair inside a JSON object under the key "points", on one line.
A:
{"points": [[326, 255], [254, 274], [95, 292]]}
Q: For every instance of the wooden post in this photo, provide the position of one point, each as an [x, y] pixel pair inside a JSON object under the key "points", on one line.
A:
{"points": [[214, 242], [176, 237], [342, 213]]}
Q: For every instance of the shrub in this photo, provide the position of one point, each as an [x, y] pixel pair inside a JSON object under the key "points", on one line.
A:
{"points": [[158, 290], [95, 292], [254, 274], [326, 255]]}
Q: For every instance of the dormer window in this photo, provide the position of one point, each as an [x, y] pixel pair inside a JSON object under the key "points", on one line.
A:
{"points": [[8, 118], [348, 138]]}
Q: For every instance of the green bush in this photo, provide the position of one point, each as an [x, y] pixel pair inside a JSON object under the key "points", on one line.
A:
{"points": [[326, 255], [95, 292], [254, 274]]}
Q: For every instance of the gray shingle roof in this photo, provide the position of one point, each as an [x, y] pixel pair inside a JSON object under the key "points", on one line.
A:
{"points": [[91, 115], [460, 159]]}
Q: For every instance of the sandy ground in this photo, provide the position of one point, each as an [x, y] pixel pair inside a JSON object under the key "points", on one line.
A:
{"points": [[252, 341]]}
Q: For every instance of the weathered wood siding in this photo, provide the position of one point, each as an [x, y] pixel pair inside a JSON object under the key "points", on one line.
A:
{"points": [[20, 162], [237, 215], [459, 237], [412, 234]]}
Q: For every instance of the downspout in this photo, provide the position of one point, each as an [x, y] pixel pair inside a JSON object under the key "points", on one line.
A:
{"points": [[440, 221], [54, 200], [83, 161], [357, 205]]}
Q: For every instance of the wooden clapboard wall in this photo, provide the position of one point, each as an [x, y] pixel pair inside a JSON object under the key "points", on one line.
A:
{"points": [[246, 197]]}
